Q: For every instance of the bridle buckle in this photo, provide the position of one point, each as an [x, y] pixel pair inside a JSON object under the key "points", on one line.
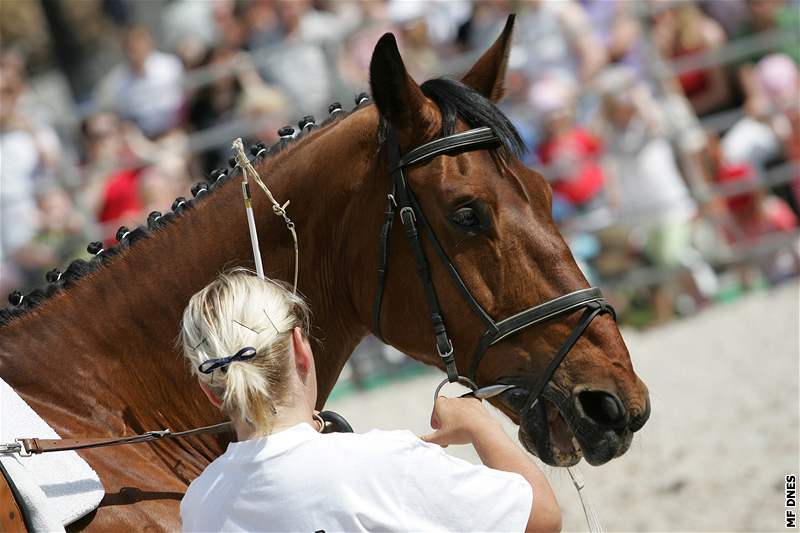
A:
{"points": [[449, 350], [410, 210]]}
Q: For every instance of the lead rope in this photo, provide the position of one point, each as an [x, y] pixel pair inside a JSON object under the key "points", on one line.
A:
{"points": [[592, 520], [279, 210]]}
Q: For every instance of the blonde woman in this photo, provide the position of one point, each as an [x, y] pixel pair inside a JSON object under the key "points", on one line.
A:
{"points": [[246, 340]]}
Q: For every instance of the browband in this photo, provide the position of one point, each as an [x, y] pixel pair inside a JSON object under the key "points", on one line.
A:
{"points": [[474, 139]]}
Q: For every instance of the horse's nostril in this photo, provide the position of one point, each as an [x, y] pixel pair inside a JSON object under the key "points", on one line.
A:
{"points": [[604, 408]]}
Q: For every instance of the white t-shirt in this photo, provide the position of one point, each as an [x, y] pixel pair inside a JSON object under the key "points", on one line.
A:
{"points": [[301, 480]]}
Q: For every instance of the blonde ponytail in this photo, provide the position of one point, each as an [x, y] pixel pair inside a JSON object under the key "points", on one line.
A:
{"points": [[235, 311]]}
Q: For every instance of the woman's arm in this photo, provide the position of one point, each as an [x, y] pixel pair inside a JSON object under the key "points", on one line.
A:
{"points": [[466, 421]]}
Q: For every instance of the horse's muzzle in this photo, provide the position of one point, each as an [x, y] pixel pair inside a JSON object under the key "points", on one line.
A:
{"points": [[563, 427]]}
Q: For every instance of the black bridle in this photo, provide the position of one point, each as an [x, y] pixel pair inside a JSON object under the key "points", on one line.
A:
{"points": [[402, 198]]}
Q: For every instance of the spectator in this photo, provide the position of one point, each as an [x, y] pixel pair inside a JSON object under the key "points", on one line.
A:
{"points": [[215, 103], [116, 156], [753, 213], [301, 67], [61, 236], [646, 188], [558, 37], [263, 25], [161, 183], [104, 152], [147, 88], [356, 50], [570, 153], [769, 129], [266, 106], [29, 154], [770, 15], [683, 31], [644, 182]]}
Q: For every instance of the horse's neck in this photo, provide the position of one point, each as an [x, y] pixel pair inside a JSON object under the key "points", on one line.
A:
{"points": [[107, 344], [336, 226]]}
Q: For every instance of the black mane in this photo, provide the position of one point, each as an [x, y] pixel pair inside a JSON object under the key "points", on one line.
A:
{"points": [[458, 101]]}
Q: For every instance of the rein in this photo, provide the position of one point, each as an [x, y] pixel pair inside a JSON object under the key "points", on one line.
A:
{"points": [[332, 422], [28, 447]]}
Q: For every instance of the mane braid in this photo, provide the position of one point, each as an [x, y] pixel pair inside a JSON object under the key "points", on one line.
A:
{"points": [[79, 268], [336, 117]]}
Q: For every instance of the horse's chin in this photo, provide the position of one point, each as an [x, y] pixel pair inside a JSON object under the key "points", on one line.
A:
{"points": [[558, 435]]}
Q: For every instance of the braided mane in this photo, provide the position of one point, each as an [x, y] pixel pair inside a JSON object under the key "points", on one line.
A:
{"points": [[79, 268]]}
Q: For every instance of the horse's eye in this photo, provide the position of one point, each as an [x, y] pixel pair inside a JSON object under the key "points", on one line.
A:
{"points": [[466, 217]]}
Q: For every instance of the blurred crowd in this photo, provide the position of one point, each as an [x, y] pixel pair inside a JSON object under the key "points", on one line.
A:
{"points": [[661, 125]]}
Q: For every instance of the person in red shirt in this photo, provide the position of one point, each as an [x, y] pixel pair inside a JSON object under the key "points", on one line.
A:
{"points": [[755, 213], [571, 155]]}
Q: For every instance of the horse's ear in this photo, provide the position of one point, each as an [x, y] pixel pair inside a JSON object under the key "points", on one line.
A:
{"points": [[488, 74], [397, 96]]}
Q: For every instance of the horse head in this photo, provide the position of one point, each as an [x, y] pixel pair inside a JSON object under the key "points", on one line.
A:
{"points": [[490, 218]]}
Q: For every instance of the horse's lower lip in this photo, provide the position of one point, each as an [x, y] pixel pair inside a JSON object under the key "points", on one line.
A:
{"points": [[554, 434]]}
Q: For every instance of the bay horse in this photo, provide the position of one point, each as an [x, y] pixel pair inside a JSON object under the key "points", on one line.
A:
{"points": [[95, 355]]}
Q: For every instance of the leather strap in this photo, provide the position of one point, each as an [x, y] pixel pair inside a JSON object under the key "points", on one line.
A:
{"points": [[451, 269], [37, 446], [12, 517], [444, 345], [383, 263], [543, 312], [592, 310], [474, 139], [549, 310]]}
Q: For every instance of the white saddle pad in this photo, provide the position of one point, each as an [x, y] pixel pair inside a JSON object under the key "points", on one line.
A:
{"points": [[70, 486]]}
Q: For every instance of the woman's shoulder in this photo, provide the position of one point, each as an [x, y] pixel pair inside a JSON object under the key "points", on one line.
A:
{"points": [[378, 439]]}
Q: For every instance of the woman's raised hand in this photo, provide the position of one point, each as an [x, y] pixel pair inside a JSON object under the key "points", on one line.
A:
{"points": [[457, 421]]}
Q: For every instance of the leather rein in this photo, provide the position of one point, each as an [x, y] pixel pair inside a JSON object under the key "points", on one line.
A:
{"points": [[333, 422], [401, 198]]}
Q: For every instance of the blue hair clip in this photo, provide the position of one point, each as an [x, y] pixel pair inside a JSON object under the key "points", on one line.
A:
{"points": [[245, 354]]}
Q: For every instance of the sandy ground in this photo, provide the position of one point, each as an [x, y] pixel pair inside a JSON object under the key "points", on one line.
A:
{"points": [[723, 433]]}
